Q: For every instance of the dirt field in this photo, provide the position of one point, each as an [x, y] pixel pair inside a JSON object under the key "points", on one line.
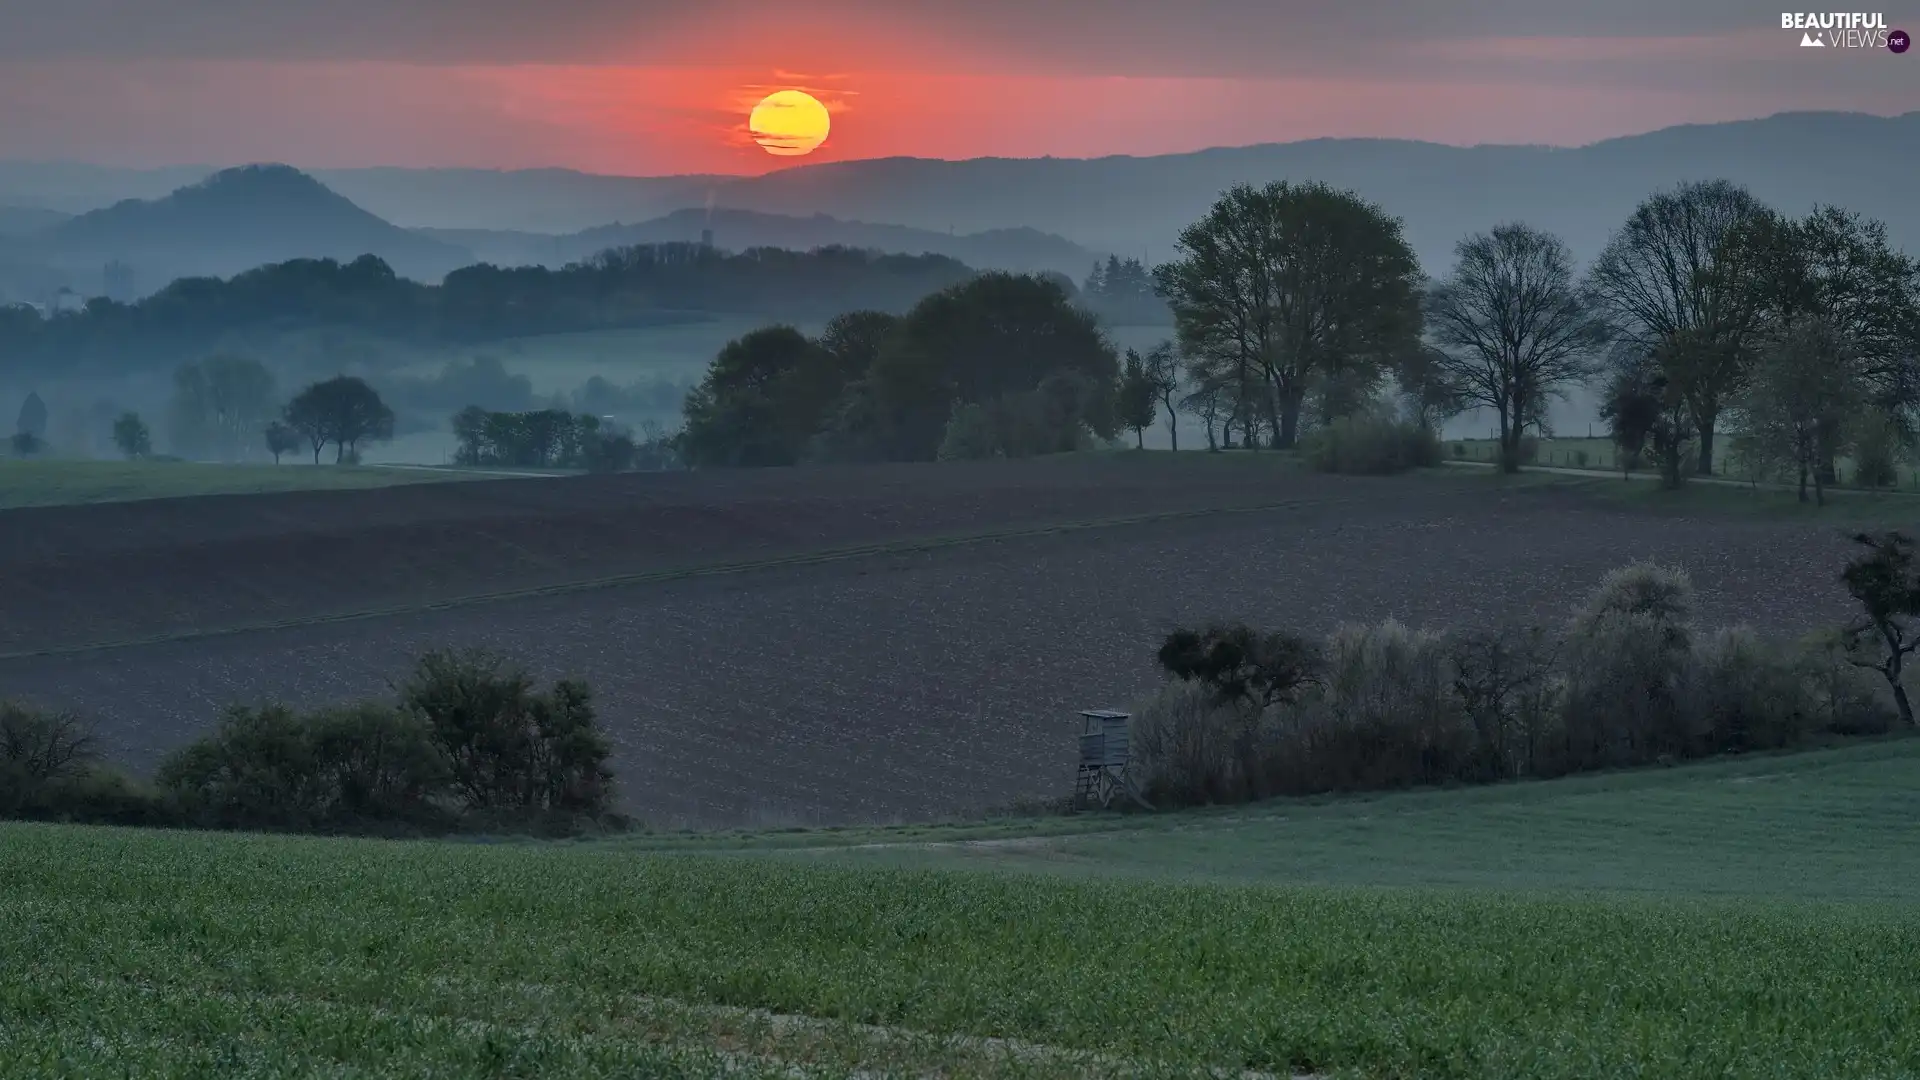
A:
{"points": [[884, 686]]}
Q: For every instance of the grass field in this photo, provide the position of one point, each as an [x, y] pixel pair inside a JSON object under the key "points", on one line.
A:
{"points": [[70, 483], [1746, 919]]}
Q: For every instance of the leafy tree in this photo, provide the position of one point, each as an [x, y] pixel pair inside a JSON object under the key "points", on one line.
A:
{"points": [[1242, 666], [33, 418], [219, 405], [1122, 293], [1207, 397], [993, 336], [1800, 399], [762, 398], [281, 439], [130, 434], [1646, 416], [1512, 328], [1885, 581], [344, 411], [1137, 402], [1677, 279], [1838, 267], [1291, 283]]}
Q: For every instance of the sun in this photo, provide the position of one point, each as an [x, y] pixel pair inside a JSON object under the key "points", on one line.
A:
{"points": [[789, 123]]}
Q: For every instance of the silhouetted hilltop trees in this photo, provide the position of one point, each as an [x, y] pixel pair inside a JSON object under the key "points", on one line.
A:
{"points": [[623, 287]]}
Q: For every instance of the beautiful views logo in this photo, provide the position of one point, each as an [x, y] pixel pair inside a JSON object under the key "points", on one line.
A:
{"points": [[1845, 30]]}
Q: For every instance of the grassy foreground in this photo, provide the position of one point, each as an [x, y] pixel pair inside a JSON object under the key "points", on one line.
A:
{"points": [[1756, 918], [67, 483]]}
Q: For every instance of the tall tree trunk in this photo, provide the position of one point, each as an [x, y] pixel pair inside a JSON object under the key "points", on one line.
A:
{"points": [[1509, 437], [1139, 438], [1173, 427], [1290, 403], [1706, 444], [1803, 481]]}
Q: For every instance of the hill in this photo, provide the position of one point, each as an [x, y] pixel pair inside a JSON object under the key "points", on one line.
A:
{"points": [[233, 221], [20, 220], [1129, 204], [1019, 249]]}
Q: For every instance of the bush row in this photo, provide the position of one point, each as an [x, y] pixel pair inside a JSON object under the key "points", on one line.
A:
{"points": [[1628, 681], [466, 744], [1371, 446]]}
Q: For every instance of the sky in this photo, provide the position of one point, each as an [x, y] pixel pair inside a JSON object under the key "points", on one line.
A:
{"points": [[649, 87]]}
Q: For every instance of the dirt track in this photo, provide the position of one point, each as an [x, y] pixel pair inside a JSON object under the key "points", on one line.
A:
{"points": [[884, 687]]}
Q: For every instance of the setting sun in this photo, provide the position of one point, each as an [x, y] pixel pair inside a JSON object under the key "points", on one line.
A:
{"points": [[789, 123]]}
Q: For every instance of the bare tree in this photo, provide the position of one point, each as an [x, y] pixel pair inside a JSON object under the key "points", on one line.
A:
{"points": [[1512, 328], [1163, 373], [1673, 279]]}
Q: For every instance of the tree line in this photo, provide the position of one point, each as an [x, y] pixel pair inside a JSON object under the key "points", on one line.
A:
{"points": [[621, 287], [1297, 306]]}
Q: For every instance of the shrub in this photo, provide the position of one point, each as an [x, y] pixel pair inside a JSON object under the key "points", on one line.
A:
{"points": [[378, 764], [1190, 749], [1876, 452], [1580, 459], [508, 748], [1371, 446], [49, 772], [1460, 450], [258, 769], [1663, 594], [1529, 449], [970, 435], [1385, 716], [1846, 699], [1510, 692], [1752, 694], [470, 744]]}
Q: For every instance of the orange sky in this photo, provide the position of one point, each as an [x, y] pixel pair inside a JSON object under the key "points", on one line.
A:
{"points": [[652, 88]]}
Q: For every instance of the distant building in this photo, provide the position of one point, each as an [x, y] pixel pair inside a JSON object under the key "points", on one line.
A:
{"points": [[119, 281]]}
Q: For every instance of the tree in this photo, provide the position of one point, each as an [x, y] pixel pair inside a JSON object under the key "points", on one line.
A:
{"points": [[130, 434], [763, 397], [1885, 581], [219, 405], [1426, 387], [344, 411], [1801, 399], [1137, 404], [281, 439], [1838, 267], [1677, 279], [1207, 398], [1291, 282], [1646, 415], [1163, 376], [993, 336], [33, 419], [1511, 327]]}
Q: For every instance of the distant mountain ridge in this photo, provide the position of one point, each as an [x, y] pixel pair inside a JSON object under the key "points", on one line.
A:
{"points": [[235, 220], [1137, 205], [1016, 249]]}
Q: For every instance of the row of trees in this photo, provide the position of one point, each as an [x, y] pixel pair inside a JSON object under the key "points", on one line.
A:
{"points": [[1295, 303], [617, 288], [1002, 364], [553, 438]]}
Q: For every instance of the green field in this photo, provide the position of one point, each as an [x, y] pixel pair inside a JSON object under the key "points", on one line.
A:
{"points": [[66, 483], [1746, 918]]}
